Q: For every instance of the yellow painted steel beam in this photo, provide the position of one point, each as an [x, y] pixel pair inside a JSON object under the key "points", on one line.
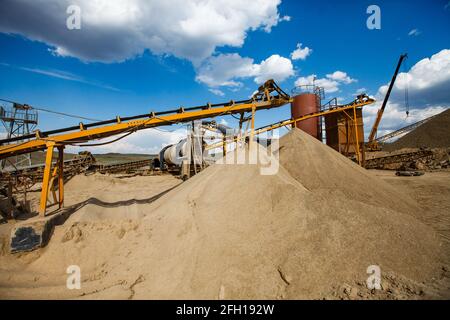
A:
{"points": [[46, 179], [61, 176], [302, 118], [260, 101], [40, 143], [355, 124]]}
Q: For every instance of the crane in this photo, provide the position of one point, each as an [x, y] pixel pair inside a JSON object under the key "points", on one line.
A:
{"points": [[268, 96], [372, 144]]}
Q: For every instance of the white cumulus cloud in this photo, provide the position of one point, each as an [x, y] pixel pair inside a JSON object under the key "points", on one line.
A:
{"points": [[427, 83], [300, 53], [330, 83], [226, 70], [394, 116], [340, 76], [329, 86], [275, 67], [116, 30], [148, 141]]}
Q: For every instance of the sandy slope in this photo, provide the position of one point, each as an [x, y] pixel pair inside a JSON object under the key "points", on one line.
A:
{"points": [[309, 231]]}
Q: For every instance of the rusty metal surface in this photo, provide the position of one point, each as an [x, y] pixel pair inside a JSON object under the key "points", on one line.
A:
{"points": [[28, 176], [340, 131], [303, 104], [381, 162]]}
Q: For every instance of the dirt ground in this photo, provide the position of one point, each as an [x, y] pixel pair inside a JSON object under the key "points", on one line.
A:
{"points": [[108, 191], [432, 193], [307, 232]]}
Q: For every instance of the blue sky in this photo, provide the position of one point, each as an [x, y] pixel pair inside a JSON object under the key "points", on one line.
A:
{"points": [[125, 64]]}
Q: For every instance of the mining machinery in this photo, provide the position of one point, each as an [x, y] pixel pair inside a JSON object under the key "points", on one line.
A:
{"points": [[372, 143], [268, 96]]}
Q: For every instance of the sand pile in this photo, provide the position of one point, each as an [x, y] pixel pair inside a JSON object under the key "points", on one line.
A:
{"points": [[230, 232], [325, 171], [432, 134]]}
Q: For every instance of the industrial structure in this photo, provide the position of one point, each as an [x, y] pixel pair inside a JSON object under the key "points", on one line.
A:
{"points": [[340, 126], [268, 96], [349, 138], [305, 106], [372, 143], [19, 120], [308, 100], [401, 131]]}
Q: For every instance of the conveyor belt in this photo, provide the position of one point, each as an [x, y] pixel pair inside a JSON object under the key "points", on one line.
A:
{"points": [[98, 130], [380, 162]]}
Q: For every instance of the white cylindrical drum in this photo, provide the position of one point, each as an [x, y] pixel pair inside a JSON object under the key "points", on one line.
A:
{"points": [[176, 153]]}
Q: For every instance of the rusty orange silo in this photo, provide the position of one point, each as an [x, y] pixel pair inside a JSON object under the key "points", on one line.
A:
{"points": [[304, 104]]}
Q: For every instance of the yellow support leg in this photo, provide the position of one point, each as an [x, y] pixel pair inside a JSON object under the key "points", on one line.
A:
{"points": [[46, 180], [252, 129], [241, 121], [355, 123], [51, 184], [61, 176]]}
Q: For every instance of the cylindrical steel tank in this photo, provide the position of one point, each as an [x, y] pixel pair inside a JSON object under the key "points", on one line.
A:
{"points": [[304, 104]]}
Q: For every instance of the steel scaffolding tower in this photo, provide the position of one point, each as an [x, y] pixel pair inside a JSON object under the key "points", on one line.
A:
{"points": [[18, 120]]}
